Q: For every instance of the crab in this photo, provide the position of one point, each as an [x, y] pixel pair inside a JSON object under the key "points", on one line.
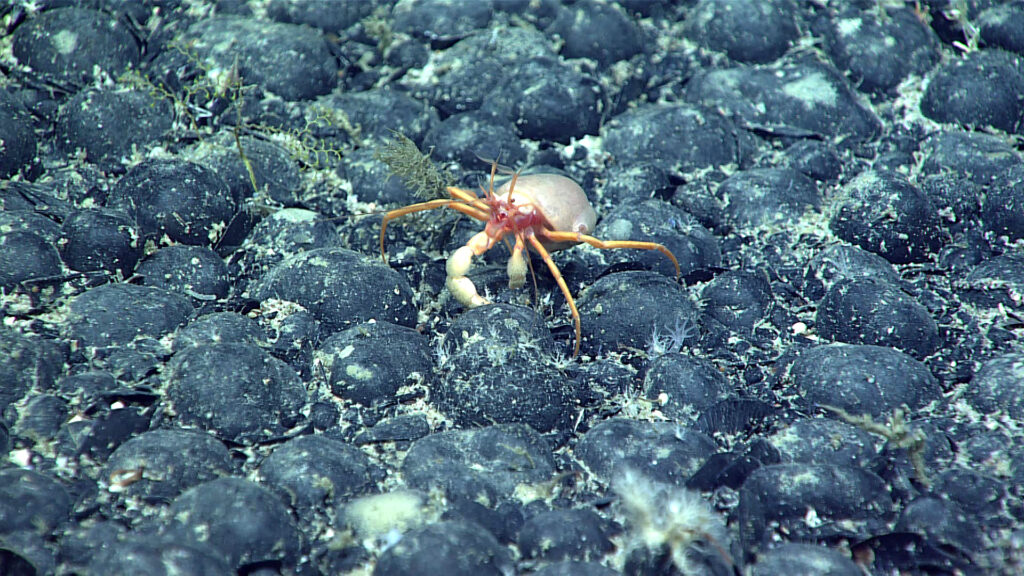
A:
{"points": [[545, 212]]}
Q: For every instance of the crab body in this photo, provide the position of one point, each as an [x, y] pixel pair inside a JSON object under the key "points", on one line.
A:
{"points": [[544, 212], [542, 202]]}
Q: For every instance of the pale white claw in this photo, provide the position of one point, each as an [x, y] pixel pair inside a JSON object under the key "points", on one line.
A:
{"points": [[459, 262], [516, 270], [458, 284]]}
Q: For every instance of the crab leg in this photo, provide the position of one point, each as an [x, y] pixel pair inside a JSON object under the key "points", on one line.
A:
{"points": [[517, 265], [611, 244], [562, 285], [460, 201]]}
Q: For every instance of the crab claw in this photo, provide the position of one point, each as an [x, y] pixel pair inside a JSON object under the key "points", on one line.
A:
{"points": [[458, 266], [517, 267]]}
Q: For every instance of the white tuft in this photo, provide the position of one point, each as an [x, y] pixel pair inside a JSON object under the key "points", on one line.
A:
{"points": [[661, 516]]}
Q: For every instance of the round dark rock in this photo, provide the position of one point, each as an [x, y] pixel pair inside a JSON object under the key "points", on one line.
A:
{"points": [[501, 368], [1002, 205], [27, 554], [844, 262], [219, 327], [799, 99], [565, 535], [293, 335], [450, 548], [869, 312], [274, 168], [109, 126], [941, 520], [400, 428], [29, 219], [325, 416], [986, 500], [330, 17], [800, 558], [299, 67], [185, 201], [479, 463], [156, 555], [340, 288], [368, 363], [82, 540], [774, 502], [665, 451], [116, 314], [68, 45], [20, 139], [150, 466], [193, 271], [884, 213], [599, 31], [94, 239], [106, 428], [245, 522], [379, 112], [466, 137], [25, 257], [237, 391], [737, 299], [439, 19], [960, 260], [825, 441], [957, 198], [677, 137], [31, 502], [312, 473], [1002, 26], [814, 159], [752, 31], [41, 418], [634, 183], [996, 281], [626, 308], [982, 158], [738, 415], [869, 380], [468, 71], [503, 521], [372, 179], [691, 385], [282, 234], [553, 102], [769, 196], [879, 53], [407, 53], [693, 245], [982, 89], [998, 386], [86, 388]]}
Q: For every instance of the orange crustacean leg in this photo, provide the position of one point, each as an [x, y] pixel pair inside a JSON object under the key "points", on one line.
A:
{"points": [[557, 274], [461, 260], [612, 244], [461, 200], [597, 243]]}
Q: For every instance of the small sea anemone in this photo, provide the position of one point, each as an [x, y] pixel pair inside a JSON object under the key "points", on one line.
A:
{"points": [[671, 520], [673, 341]]}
